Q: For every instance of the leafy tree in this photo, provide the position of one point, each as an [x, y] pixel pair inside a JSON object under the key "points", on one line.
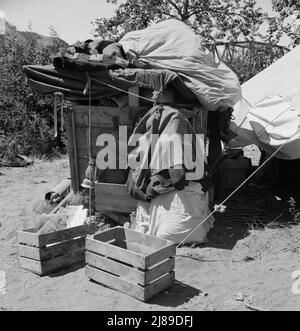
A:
{"points": [[288, 20], [212, 19], [26, 123]]}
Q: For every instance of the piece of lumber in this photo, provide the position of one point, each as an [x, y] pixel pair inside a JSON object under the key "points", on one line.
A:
{"points": [[133, 96], [139, 292], [52, 251], [61, 204], [49, 266], [116, 253]]}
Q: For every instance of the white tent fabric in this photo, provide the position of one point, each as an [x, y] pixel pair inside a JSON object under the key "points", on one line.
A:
{"points": [[173, 45], [269, 113]]}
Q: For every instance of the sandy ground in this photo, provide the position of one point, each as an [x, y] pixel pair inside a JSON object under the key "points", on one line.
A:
{"points": [[237, 267]]}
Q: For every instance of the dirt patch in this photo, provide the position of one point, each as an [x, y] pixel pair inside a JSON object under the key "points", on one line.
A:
{"points": [[240, 266]]}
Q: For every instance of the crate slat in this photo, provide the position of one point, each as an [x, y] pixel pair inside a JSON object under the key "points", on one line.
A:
{"points": [[115, 253], [160, 255], [159, 286], [139, 292], [143, 239], [125, 272], [159, 270], [45, 267], [30, 238], [52, 251]]}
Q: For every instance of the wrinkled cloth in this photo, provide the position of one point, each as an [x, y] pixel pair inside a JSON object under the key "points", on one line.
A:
{"points": [[175, 215], [165, 141], [71, 80], [174, 46], [269, 113]]}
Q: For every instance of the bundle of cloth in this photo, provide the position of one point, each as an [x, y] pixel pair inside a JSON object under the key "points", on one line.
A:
{"points": [[168, 45], [167, 176]]}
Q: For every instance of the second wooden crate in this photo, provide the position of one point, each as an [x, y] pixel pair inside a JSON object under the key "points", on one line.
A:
{"points": [[48, 253], [139, 265]]}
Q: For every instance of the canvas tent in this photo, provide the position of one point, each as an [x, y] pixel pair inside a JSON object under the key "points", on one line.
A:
{"points": [[269, 113]]}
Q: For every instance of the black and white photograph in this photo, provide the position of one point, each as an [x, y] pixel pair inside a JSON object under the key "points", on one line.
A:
{"points": [[150, 158]]}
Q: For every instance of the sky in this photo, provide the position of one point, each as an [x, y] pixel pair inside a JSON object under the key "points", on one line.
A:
{"points": [[70, 18]]}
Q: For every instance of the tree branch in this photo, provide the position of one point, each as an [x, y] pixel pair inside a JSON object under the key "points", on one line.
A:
{"points": [[178, 9]]}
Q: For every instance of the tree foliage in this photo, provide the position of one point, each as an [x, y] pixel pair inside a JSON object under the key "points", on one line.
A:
{"points": [[26, 120], [288, 20], [213, 20]]}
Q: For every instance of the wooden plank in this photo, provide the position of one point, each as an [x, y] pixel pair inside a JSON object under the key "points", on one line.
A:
{"points": [[151, 241], [45, 267], [74, 139], [138, 248], [159, 286], [61, 204], [160, 255], [136, 291], [34, 266], [123, 271], [127, 272], [116, 253], [102, 115], [114, 197], [52, 251], [106, 235], [115, 283], [28, 237], [159, 270], [71, 151], [133, 99], [64, 235]]}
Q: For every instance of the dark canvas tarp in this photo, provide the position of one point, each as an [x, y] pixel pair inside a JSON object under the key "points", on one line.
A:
{"points": [[48, 79]]}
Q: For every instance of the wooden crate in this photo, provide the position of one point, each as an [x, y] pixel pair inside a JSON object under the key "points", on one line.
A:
{"points": [[47, 253], [139, 265], [113, 197]]}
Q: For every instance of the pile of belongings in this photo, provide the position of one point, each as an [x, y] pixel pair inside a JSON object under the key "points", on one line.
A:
{"points": [[166, 54], [172, 195]]}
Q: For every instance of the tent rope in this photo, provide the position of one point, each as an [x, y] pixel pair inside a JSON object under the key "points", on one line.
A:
{"points": [[236, 190], [213, 171], [121, 90]]}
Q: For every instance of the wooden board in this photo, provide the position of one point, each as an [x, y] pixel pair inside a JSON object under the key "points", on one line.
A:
{"points": [[29, 237], [101, 116], [116, 253], [50, 252], [49, 266], [139, 292], [127, 272], [114, 197]]}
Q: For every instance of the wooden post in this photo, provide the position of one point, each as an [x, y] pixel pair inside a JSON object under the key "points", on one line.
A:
{"points": [[72, 149], [134, 101]]}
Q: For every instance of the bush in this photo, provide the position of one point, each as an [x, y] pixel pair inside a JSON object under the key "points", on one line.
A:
{"points": [[26, 118]]}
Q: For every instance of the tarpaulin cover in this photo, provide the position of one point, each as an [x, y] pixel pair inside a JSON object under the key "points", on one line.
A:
{"points": [[269, 114], [173, 45], [48, 79]]}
